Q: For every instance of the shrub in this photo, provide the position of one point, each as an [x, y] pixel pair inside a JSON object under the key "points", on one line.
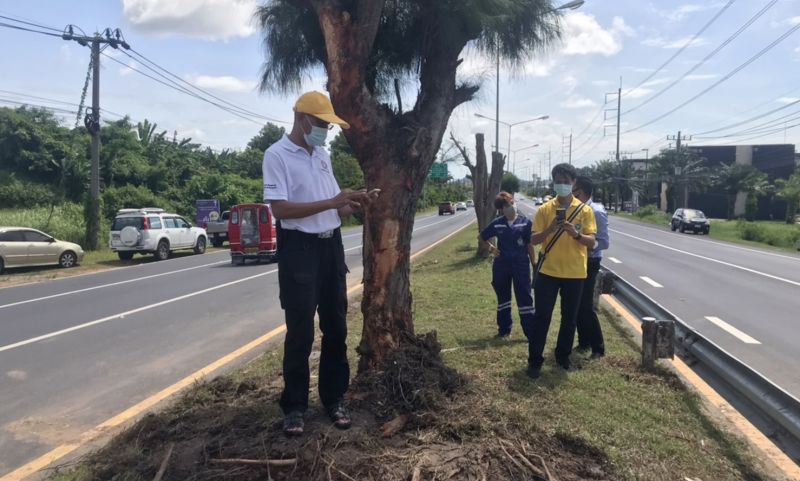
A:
{"points": [[24, 194], [66, 222]]}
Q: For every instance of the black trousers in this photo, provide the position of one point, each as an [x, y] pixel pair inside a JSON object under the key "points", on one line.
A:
{"points": [[589, 332], [546, 291], [312, 277]]}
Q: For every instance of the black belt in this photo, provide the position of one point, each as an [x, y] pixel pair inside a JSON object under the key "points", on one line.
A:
{"points": [[331, 234]]}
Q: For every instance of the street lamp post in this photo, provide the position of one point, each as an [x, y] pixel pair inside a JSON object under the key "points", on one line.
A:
{"points": [[510, 125], [520, 150], [567, 6]]}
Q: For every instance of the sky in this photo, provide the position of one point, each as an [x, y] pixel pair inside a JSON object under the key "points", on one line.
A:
{"points": [[215, 45]]}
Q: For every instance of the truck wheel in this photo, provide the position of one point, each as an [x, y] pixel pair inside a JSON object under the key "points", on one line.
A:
{"points": [[238, 260], [200, 247], [125, 256], [2, 265], [162, 251], [682, 228], [217, 241]]}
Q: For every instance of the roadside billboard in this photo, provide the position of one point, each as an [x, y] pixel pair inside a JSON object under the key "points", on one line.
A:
{"points": [[207, 210]]}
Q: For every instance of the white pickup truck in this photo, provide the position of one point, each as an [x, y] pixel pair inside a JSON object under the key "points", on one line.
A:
{"points": [[217, 230]]}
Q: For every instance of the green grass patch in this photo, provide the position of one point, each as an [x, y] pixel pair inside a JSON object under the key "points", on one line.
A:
{"points": [[762, 233], [608, 420]]}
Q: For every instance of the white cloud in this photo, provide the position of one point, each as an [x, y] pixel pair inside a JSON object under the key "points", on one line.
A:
{"points": [[225, 83], [66, 52], [602, 83], [656, 81], [193, 133], [539, 68], [674, 44], [788, 100], [619, 25], [207, 19], [574, 102], [681, 12], [636, 93], [705, 76], [127, 70], [583, 35]]}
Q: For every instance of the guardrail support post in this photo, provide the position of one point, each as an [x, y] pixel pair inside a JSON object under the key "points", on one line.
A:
{"points": [[658, 341]]}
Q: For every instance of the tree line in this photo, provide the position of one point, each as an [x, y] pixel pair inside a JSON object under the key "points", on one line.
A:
{"points": [[45, 163]]}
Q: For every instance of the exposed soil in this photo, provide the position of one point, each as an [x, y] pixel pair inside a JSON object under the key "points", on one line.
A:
{"points": [[415, 420]]}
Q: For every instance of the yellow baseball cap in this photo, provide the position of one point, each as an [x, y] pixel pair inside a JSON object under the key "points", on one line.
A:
{"points": [[320, 106]]}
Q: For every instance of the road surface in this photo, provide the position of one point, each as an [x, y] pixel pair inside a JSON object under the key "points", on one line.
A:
{"points": [[76, 351], [746, 300]]}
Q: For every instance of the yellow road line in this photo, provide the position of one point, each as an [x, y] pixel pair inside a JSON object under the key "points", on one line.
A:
{"points": [[65, 449], [712, 397]]}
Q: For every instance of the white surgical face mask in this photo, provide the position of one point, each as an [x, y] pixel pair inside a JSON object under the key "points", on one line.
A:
{"points": [[510, 211], [317, 136], [563, 190]]}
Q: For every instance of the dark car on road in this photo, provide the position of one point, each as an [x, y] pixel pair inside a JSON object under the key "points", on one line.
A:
{"points": [[447, 208], [690, 219]]}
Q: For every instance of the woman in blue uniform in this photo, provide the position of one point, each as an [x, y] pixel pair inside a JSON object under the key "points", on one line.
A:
{"points": [[514, 258]]}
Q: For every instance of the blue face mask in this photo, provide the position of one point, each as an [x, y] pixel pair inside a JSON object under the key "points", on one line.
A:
{"points": [[317, 136], [563, 190]]}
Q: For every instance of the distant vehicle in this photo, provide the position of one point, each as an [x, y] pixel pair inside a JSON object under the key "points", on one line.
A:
{"points": [[252, 233], [690, 219], [538, 201], [461, 206], [447, 208], [152, 231], [24, 247], [217, 230], [470, 204], [547, 198]]}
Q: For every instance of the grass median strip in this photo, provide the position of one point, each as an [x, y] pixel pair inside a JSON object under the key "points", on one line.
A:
{"points": [[607, 421]]}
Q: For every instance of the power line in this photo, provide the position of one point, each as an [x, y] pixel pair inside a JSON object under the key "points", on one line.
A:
{"points": [[764, 125], [31, 24], [707, 57], [756, 107], [231, 104], [182, 90], [760, 136], [45, 99], [751, 118], [720, 81], [45, 107], [686, 45], [17, 27]]}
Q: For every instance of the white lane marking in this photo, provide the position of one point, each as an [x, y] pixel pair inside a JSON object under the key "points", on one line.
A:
{"points": [[650, 281], [732, 330], [709, 241], [710, 259], [78, 291], [615, 260], [134, 311], [128, 281], [128, 313]]}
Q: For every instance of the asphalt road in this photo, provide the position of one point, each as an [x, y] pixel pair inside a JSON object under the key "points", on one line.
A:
{"points": [[746, 300], [77, 351]]}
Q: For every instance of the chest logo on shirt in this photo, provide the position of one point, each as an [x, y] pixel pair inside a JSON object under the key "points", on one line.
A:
{"points": [[324, 165], [519, 242]]}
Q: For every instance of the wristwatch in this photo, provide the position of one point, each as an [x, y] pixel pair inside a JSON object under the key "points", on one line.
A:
{"points": [[577, 236]]}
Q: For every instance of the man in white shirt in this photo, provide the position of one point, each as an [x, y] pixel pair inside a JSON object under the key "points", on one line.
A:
{"points": [[304, 196]]}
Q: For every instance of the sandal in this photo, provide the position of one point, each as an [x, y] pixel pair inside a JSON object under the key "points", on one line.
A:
{"points": [[340, 416], [293, 424]]}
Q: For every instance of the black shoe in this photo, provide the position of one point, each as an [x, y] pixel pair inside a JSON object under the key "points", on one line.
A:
{"points": [[582, 349], [502, 335], [534, 372], [293, 423], [565, 364], [340, 415], [597, 355]]}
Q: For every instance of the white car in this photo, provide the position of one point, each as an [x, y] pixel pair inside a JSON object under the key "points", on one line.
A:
{"points": [[152, 231]]}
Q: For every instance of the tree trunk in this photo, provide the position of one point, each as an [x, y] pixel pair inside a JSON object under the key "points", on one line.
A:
{"points": [[395, 152]]}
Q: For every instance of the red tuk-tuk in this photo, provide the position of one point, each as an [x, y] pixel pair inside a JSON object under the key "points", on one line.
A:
{"points": [[252, 233]]}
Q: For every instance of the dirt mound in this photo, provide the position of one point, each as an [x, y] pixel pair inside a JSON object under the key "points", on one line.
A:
{"points": [[440, 429]]}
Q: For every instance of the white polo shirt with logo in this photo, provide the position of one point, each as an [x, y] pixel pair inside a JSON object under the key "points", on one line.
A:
{"points": [[291, 174]]}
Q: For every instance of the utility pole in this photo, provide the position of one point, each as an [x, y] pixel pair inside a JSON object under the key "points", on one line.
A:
{"points": [[497, 108], [92, 122], [619, 113], [570, 146], [680, 169]]}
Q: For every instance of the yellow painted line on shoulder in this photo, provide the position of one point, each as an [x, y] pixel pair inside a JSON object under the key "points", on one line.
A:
{"points": [[63, 450], [712, 397]]}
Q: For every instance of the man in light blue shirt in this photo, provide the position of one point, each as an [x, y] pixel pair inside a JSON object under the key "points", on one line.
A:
{"points": [[590, 335]]}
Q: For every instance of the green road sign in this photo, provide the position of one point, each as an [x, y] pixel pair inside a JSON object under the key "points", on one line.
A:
{"points": [[438, 171]]}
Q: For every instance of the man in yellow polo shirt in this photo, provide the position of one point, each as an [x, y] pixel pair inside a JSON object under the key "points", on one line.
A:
{"points": [[569, 234]]}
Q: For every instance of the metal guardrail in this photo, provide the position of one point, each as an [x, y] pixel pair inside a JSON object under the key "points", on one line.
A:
{"points": [[775, 403]]}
